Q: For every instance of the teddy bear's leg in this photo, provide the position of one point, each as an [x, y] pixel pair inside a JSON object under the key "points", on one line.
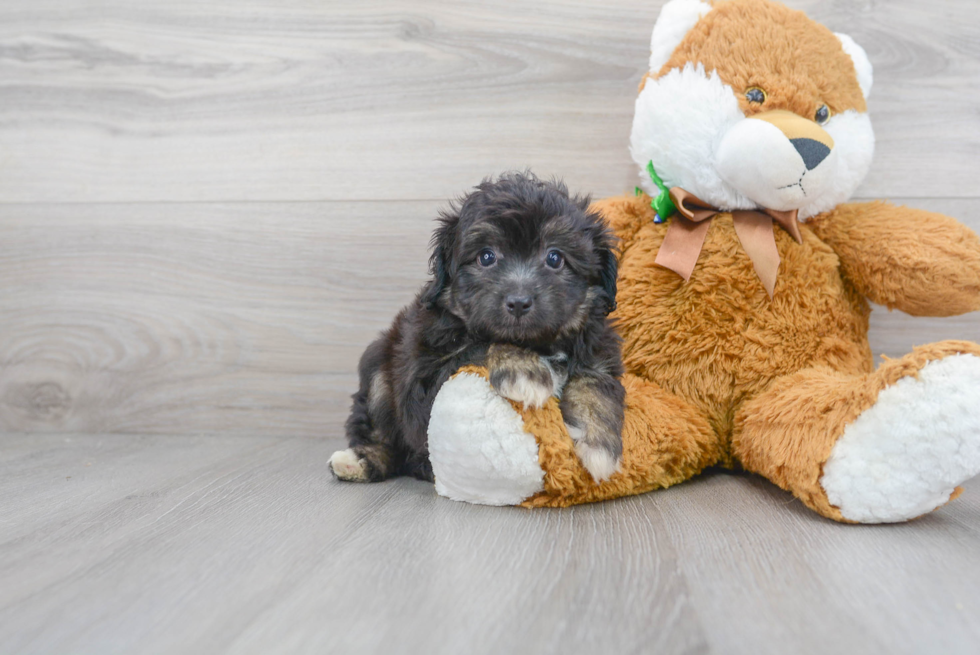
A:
{"points": [[666, 440], [486, 449], [877, 448]]}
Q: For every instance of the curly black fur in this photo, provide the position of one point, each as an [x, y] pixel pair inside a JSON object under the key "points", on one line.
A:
{"points": [[463, 310]]}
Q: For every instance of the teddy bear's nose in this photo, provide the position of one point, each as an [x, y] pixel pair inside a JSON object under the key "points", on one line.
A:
{"points": [[813, 152]]}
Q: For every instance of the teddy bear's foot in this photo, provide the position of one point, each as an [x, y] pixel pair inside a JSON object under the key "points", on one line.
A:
{"points": [[883, 447], [478, 447], [906, 455]]}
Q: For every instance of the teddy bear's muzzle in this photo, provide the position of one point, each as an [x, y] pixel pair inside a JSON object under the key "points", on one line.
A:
{"points": [[777, 159], [809, 139]]}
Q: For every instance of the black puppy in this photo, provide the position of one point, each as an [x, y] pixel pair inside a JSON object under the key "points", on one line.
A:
{"points": [[523, 278]]}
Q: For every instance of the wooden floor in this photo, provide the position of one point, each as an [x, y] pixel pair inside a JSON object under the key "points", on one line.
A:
{"points": [[181, 544], [206, 212]]}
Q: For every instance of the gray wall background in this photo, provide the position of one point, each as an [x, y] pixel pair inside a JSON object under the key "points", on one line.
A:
{"points": [[208, 209]]}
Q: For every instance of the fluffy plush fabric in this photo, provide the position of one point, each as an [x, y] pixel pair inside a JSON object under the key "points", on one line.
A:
{"points": [[862, 65], [483, 447], [717, 339], [788, 432], [676, 19], [929, 266], [720, 373], [478, 445], [692, 118], [906, 454]]}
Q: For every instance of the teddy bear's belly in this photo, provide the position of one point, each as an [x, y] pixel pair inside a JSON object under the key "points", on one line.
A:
{"points": [[718, 339]]}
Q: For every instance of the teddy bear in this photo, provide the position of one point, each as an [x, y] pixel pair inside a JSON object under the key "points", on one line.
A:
{"points": [[744, 285]]}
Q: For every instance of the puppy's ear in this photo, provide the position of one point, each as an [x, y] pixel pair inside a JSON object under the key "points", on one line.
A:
{"points": [[440, 279], [607, 260], [602, 242], [442, 244]]}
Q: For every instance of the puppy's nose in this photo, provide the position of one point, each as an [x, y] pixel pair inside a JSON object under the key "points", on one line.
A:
{"points": [[812, 151], [518, 305]]}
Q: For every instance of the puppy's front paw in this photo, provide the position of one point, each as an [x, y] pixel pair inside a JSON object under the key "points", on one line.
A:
{"points": [[346, 465], [521, 375], [598, 461], [522, 388], [593, 412]]}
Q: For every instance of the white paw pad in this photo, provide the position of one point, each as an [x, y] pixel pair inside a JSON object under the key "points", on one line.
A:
{"points": [[346, 465], [906, 454]]}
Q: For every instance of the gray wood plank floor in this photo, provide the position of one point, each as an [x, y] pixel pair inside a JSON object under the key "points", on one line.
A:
{"points": [[181, 544], [206, 212]]}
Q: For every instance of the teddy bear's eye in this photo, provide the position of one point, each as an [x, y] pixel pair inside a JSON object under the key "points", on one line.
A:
{"points": [[756, 95], [822, 115]]}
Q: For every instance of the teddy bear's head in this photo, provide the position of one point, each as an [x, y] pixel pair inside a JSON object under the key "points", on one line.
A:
{"points": [[750, 104]]}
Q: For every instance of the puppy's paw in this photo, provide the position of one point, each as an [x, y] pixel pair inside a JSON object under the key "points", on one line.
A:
{"points": [[592, 409], [530, 391], [346, 465], [598, 461], [522, 375]]}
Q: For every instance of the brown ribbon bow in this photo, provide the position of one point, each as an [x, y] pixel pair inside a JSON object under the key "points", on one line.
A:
{"points": [[685, 236]]}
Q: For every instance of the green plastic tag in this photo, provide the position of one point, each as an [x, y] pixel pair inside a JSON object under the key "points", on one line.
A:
{"points": [[662, 204]]}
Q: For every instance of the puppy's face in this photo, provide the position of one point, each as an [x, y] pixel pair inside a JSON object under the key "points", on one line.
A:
{"points": [[520, 261]]}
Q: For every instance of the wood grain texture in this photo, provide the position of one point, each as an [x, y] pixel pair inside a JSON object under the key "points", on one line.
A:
{"points": [[387, 99], [207, 210], [190, 318], [178, 544], [237, 318], [778, 577]]}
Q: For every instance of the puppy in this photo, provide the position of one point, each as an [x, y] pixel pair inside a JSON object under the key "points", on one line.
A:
{"points": [[523, 277]]}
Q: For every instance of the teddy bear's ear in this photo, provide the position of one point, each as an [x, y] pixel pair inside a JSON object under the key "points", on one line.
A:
{"points": [[676, 19], [861, 62]]}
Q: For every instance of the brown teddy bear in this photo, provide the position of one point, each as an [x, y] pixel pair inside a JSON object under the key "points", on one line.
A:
{"points": [[743, 295]]}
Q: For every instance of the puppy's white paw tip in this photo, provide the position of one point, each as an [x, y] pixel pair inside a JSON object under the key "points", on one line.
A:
{"points": [[346, 465], [523, 390], [597, 461]]}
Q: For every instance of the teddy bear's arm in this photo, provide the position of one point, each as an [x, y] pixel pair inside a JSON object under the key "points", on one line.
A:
{"points": [[625, 215], [922, 263]]}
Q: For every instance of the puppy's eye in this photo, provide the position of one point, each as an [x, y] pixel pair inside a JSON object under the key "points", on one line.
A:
{"points": [[822, 115], [554, 259], [755, 95], [486, 257]]}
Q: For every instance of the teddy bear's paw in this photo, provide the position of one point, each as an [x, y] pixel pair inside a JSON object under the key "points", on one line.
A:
{"points": [[906, 454], [598, 461], [478, 447], [347, 466]]}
